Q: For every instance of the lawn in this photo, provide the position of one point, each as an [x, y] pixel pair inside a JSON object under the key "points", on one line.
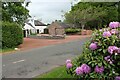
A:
{"points": [[59, 72], [7, 50]]}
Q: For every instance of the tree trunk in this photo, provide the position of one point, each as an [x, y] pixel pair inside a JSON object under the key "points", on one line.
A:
{"points": [[83, 26]]}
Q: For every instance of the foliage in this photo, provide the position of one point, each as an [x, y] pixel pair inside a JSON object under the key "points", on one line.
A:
{"points": [[11, 35], [14, 12], [72, 30], [101, 54], [92, 15]]}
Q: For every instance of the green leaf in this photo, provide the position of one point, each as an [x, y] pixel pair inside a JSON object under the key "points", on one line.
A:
{"points": [[99, 64]]}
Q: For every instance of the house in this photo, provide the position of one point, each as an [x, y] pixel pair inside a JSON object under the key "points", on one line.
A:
{"points": [[33, 26], [57, 28]]}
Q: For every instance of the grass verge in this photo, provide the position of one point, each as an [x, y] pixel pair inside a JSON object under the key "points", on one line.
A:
{"points": [[59, 72], [7, 50]]}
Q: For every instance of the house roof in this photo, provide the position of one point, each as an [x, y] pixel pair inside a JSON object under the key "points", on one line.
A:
{"points": [[38, 23], [30, 24], [63, 25]]}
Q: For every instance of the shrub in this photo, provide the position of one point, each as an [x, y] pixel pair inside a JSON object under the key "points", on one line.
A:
{"points": [[0, 35], [72, 30], [12, 35], [101, 55]]}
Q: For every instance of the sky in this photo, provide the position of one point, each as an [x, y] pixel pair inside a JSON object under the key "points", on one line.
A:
{"points": [[49, 10]]}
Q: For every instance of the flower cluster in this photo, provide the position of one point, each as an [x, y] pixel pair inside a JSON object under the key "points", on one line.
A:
{"points": [[117, 78], [114, 31], [108, 59], [106, 34], [93, 46], [112, 49], [84, 68], [99, 69], [68, 64], [114, 25]]}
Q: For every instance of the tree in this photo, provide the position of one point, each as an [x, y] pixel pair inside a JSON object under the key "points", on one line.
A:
{"points": [[86, 13], [14, 12]]}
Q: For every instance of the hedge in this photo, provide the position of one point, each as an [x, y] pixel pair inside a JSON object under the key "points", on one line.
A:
{"points": [[72, 30], [12, 35]]}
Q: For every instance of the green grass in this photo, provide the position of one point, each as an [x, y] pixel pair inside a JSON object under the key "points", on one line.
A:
{"points": [[59, 72], [6, 50]]}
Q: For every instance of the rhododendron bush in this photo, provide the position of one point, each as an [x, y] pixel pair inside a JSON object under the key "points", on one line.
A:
{"points": [[100, 57]]}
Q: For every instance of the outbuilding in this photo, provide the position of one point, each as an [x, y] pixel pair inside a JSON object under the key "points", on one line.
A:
{"points": [[57, 28]]}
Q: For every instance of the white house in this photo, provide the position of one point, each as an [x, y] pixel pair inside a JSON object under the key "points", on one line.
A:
{"points": [[33, 26]]}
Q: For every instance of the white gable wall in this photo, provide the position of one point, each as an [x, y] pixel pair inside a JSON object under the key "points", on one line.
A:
{"points": [[29, 29], [28, 26]]}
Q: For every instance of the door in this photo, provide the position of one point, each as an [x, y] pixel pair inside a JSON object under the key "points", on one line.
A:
{"points": [[46, 31], [37, 31]]}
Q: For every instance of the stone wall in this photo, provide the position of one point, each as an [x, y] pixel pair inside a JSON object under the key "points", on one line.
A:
{"points": [[55, 29]]}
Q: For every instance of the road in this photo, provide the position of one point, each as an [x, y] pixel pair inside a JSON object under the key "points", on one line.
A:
{"points": [[30, 63]]}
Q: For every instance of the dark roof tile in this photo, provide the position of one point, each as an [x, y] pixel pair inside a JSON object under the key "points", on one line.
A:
{"points": [[38, 23]]}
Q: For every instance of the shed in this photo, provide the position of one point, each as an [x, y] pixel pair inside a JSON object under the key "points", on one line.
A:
{"points": [[57, 28]]}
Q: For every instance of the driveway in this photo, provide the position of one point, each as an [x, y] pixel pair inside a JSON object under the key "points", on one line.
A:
{"points": [[32, 62], [30, 43]]}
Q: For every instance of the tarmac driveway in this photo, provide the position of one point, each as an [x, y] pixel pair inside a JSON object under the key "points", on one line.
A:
{"points": [[32, 62]]}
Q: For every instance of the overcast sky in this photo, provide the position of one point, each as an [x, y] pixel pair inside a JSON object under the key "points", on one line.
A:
{"points": [[49, 10]]}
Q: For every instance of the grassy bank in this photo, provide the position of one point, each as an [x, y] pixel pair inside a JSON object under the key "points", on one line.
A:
{"points": [[59, 72], [7, 50]]}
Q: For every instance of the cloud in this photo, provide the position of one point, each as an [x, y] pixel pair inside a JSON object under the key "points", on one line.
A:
{"points": [[48, 10]]}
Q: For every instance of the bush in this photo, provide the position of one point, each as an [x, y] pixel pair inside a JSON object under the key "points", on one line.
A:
{"points": [[72, 30], [12, 35], [101, 55]]}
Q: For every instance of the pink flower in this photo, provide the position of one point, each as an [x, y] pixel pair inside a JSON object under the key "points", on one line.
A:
{"points": [[99, 69], [79, 70], [93, 46], [85, 68], [114, 24], [107, 58], [114, 31], [117, 78], [106, 34], [111, 62], [68, 61], [118, 51], [111, 49], [69, 65]]}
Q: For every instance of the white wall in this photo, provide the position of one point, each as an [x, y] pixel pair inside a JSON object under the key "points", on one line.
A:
{"points": [[34, 30], [41, 28], [29, 28]]}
